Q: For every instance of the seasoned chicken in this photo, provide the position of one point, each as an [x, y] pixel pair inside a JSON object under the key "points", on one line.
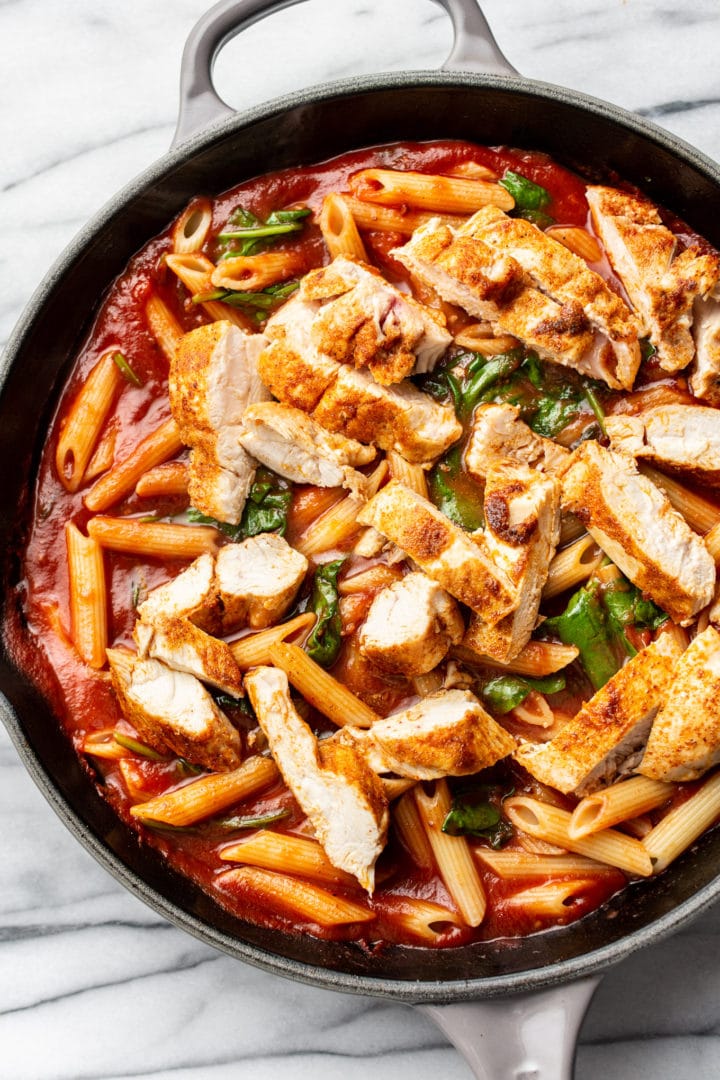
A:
{"points": [[498, 434], [522, 529], [460, 563], [213, 378], [661, 287], [635, 525], [192, 595], [298, 448], [705, 372], [446, 734], [258, 580], [410, 626], [341, 796], [685, 737], [291, 367], [678, 438], [607, 737], [184, 647], [173, 712]]}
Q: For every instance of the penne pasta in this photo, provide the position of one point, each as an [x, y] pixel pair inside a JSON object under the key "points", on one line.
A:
{"points": [[318, 687], [572, 565], [170, 478], [452, 854], [153, 539], [411, 475], [296, 897], [571, 528], [305, 511], [253, 650], [250, 273], [339, 523], [394, 788], [195, 271], [163, 443], [534, 710], [712, 542], [443, 194], [163, 326], [577, 240], [619, 802], [534, 846], [209, 795], [192, 227], [377, 577], [288, 855], [339, 230], [537, 658], [422, 918], [103, 455], [472, 170], [411, 832], [521, 864], [385, 219], [700, 514], [102, 744], [683, 825], [85, 421], [552, 899], [88, 596], [487, 345]]}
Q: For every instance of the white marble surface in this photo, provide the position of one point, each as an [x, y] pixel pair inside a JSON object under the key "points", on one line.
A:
{"points": [[92, 983]]}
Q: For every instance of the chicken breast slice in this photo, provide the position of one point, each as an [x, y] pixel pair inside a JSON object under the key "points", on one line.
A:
{"points": [[184, 647], [297, 447], [192, 595], [173, 712], [679, 438], [522, 530], [662, 289], [460, 563], [291, 367], [410, 626], [498, 434], [608, 736], [705, 373], [343, 799], [635, 525], [257, 580], [448, 733], [220, 493], [685, 738]]}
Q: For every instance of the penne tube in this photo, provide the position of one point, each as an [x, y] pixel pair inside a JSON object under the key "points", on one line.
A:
{"points": [[339, 523], [317, 686], [552, 824], [411, 832], [538, 847], [103, 455], [305, 511], [571, 566], [163, 326], [192, 227], [638, 827], [679, 633], [152, 539], [84, 422], [452, 854], [288, 855], [411, 475], [619, 802], [170, 478], [394, 788], [88, 596], [385, 219], [577, 240], [683, 825], [481, 343], [296, 897], [163, 443], [712, 542], [537, 658], [551, 899], [571, 528], [423, 919], [339, 230], [102, 744], [250, 273], [210, 794], [377, 577], [521, 864], [700, 514], [443, 194], [195, 271], [472, 170], [534, 710], [253, 650]]}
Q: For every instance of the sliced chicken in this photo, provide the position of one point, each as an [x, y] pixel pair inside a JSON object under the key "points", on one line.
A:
{"points": [[410, 626], [522, 530], [297, 447], [184, 647], [460, 563], [257, 580], [192, 595], [333, 785], [213, 378], [705, 373], [607, 737], [678, 438], [173, 712], [685, 737], [291, 367], [498, 434], [662, 288], [446, 734], [635, 525]]}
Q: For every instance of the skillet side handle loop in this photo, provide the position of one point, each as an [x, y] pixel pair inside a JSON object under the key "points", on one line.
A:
{"points": [[474, 47], [529, 1037]]}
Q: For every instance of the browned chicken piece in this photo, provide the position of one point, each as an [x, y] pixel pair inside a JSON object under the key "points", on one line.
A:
{"points": [[564, 276], [460, 563], [192, 595], [607, 737], [685, 737], [522, 530], [184, 647], [366, 322], [678, 438], [173, 712], [410, 626], [498, 434], [343, 799], [213, 378], [295, 446], [705, 372], [291, 367], [448, 733], [635, 525], [662, 288], [257, 580]]}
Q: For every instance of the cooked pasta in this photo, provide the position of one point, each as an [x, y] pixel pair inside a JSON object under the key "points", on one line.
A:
{"points": [[209, 795], [163, 443], [192, 227], [619, 802], [444, 194], [254, 649], [152, 539], [339, 230], [298, 898], [683, 825], [319, 688], [84, 422], [88, 596], [451, 854], [287, 855]]}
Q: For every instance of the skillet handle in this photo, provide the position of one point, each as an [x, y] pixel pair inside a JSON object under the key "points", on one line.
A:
{"points": [[474, 49], [529, 1037]]}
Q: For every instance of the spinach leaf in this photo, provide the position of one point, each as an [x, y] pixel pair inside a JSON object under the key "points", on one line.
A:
{"points": [[584, 624], [142, 749], [527, 194], [257, 821], [255, 235], [454, 494], [506, 692], [625, 607], [553, 414], [483, 373], [266, 509], [482, 820], [323, 644], [536, 217]]}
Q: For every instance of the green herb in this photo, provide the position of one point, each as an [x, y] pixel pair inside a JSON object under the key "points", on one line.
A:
{"points": [[584, 624], [323, 644], [482, 374], [259, 821], [226, 701], [135, 595], [506, 692], [126, 370], [596, 407], [647, 349], [256, 235], [188, 768], [128, 743], [453, 494], [527, 194], [626, 607], [536, 217], [443, 383], [266, 509], [263, 301], [482, 820]]}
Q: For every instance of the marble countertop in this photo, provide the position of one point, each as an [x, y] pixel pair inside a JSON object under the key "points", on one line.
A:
{"points": [[92, 983]]}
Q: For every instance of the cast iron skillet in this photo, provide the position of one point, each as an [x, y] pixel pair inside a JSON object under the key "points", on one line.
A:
{"points": [[477, 96]]}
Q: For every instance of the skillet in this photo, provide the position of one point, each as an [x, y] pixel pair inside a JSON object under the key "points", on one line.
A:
{"points": [[306, 128]]}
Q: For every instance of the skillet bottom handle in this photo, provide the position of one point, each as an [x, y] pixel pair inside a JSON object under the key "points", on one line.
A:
{"points": [[529, 1037]]}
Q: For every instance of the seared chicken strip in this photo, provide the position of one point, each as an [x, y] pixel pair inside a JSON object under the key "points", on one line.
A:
{"points": [[685, 737], [184, 647], [498, 434], [448, 733], [705, 373], [462, 564], [258, 580], [635, 525], [678, 438], [192, 595], [333, 785], [410, 626], [291, 367], [607, 737], [298, 448], [173, 712], [522, 529]]}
